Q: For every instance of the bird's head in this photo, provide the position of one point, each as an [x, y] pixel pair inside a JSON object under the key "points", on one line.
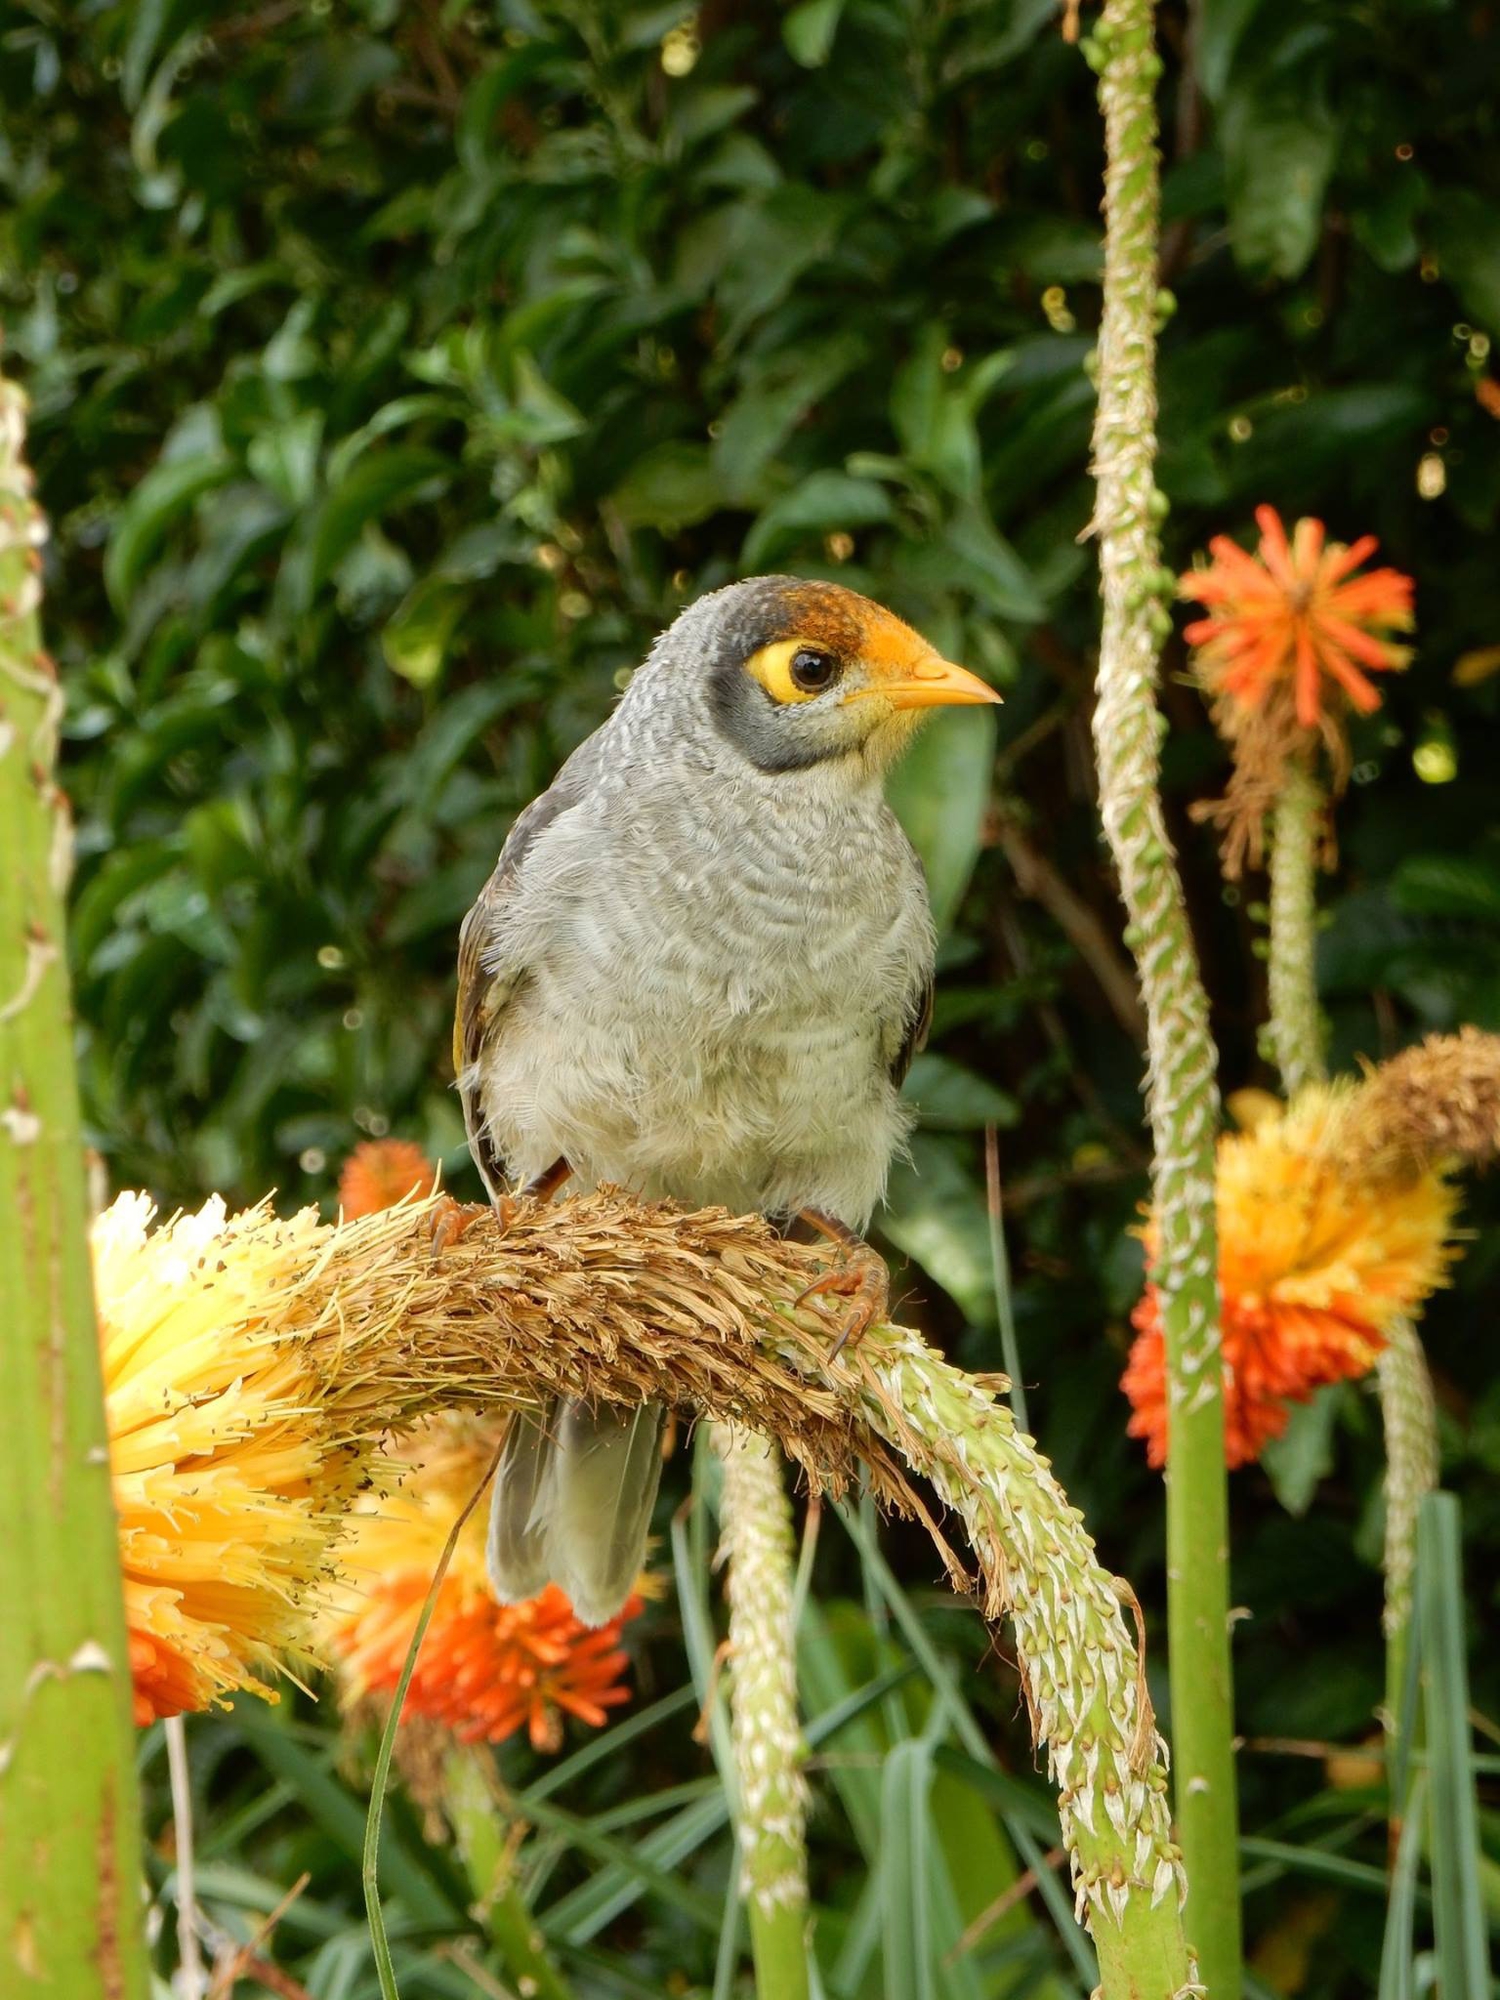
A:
{"points": [[795, 674]]}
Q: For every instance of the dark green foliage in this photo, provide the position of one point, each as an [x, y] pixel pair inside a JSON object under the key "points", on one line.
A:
{"points": [[398, 370]]}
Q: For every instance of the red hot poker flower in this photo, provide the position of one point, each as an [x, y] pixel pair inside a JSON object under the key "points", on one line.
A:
{"points": [[1295, 615], [381, 1172]]}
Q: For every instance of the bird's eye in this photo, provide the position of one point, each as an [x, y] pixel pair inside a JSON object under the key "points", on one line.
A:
{"points": [[813, 671]]}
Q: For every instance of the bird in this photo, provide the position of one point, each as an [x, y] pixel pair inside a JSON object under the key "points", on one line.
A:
{"points": [[699, 972]]}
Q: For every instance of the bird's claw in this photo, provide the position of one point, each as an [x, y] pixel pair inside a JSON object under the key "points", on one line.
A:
{"points": [[866, 1283], [451, 1220]]}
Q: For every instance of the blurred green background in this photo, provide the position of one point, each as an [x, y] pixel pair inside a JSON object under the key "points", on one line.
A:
{"points": [[398, 370]]}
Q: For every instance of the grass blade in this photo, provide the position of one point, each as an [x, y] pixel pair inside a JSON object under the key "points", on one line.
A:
{"points": [[1458, 1905], [1396, 1971], [907, 1917]]}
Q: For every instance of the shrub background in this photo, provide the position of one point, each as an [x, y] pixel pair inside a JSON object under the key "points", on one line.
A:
{"points": [[398, 370]]}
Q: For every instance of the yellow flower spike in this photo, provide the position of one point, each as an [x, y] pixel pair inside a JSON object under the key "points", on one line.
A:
{"points": [[229, 1484], [1321, 1250]]}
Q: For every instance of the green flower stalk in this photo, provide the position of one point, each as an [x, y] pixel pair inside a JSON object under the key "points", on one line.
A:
{"points": [[480, 1832], [69, 1837], [1183, 1094], [1296, 1024], [771, 1791], [1408, 1411], [1411, 1473]]}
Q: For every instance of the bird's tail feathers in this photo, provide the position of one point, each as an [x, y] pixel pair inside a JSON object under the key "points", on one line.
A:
{"points": [[572, 1503]]}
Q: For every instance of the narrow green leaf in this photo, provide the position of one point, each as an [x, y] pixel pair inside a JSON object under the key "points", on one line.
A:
{"points": [[904, 1861], [1458, 1904], [1397, 1974]]}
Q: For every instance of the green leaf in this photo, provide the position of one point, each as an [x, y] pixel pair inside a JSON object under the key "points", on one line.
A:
{"points": [[950, 1097], [1303, 1455], [940, 792], [904, 1862], [970, 553], [1279, 145], [285, 458], [757, 424], [808, 31], [935, 1212], [1221, 26], [167, 492], [1447, 885], [674, 486], [416, 638], [1397, 1973], [815, 506], [376, 483], [1457, 1899], [1386, 223], [1463, 233]]}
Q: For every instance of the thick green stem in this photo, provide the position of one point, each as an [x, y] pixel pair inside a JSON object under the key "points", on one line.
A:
{"points": [[1296, 1024], [479, 1830], [69, 1828], [768, 1748], [1183, 1093]]}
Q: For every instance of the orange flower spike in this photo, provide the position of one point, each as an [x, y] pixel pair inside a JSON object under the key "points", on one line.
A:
{"points": [[1314, 1263], [1295, 614], [381, 1172]]}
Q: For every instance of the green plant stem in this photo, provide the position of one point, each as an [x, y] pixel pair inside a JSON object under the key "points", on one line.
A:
{"points": [[771, 1802], [1409, 1413], [1183, 1094], [473, 1811], [1296, 1023], [69, 1827], [1407, 1407]]}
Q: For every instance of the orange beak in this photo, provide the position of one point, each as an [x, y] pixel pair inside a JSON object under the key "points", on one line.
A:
{"points": [[932, 683]]}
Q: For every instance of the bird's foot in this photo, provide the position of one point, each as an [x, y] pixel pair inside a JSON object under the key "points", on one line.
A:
{"points": [[862, 1278], [452, 1220]]}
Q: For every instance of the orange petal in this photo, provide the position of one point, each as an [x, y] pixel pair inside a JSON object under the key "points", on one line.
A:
{"points": [[1365, 698], [1274, 552], [1308, 703], [1370, 651], [1339, 561]]}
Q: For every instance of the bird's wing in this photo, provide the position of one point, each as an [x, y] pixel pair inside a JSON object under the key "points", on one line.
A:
{"points": [[915, 1039], [487, 973]]}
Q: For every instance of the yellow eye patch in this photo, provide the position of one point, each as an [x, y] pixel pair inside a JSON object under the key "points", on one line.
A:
{"points": [[772, 667]]}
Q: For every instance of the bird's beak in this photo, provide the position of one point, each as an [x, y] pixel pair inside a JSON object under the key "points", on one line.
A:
{"points": [[934, 683]]}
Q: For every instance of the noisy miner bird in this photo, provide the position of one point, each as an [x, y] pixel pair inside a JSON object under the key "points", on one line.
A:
{"points": [[700, 971]]}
